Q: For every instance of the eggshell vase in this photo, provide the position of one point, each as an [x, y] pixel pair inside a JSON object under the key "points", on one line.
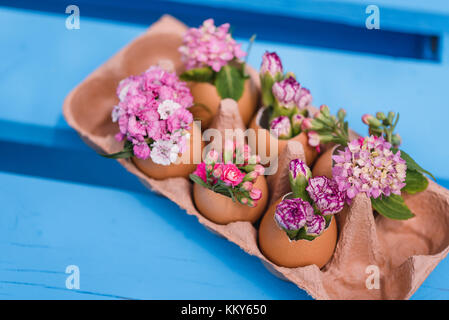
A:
{"points": [[182, 168], [324, 163], [278, 248], [206, 95], [222, 210], [259, 124]]}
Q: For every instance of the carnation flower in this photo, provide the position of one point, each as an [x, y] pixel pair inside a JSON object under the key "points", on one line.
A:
{"points": [[271, 64], [287, 92], [231, 175], [281, 127], [304, 98], [152, 114], [315, 224], [209, 45], [291, 214], [368, 165], [325, 194]]}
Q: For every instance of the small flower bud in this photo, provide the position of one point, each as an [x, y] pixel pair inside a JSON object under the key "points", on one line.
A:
{"points": [[381, 116], [371, 121], [306, 124], [297, 120], [271, 65], [299, 175], [313, 138], [251, 176], [247, 186], [259, 169], [396, 140], [324, 109], [255, 194], [341, 114], [212, 157]]}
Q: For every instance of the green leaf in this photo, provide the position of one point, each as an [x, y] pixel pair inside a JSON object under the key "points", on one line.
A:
{"points": [[230, 82], [412, 165], [415, 182], [127, 152], [392, 207], [205, 74], [198, 180]]}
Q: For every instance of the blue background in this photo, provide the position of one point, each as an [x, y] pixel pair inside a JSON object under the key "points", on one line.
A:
{"points": [[61, 204]]}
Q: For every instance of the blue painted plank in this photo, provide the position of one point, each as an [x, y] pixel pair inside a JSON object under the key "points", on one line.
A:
{"points": [[127, 245], [310, 23], [359, 82]]}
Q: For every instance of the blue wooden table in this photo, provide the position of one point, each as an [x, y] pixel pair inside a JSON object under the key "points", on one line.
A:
{"points": [[62, 205]]}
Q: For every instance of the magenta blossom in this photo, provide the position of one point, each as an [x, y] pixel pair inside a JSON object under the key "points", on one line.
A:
{"points": [[281, 127], [325, 194], [304, 98], [368, 165], [209, 45], [271, 64], [232, 175], [315, 225], [291, 214]]}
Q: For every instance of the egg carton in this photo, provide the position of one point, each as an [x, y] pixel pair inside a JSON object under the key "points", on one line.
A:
{"points": [[404, 252]]}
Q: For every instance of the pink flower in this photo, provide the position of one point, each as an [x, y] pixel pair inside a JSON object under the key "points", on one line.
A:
{"points": [[200, 171], [324, 192], [209, 45], [247, 186], [314, 138], [286, 92], [154, 105], [368, 165], [271, 64], [232, 175], [141, 150], [255, 194]]}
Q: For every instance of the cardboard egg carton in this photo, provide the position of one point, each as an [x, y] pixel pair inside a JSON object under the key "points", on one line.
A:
{"points": [[405, 252]]}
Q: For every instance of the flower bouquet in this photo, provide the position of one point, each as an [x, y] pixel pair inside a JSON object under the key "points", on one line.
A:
{"points": [[231, 187], [215, 71], [298, 229], [154, 120], [373, 165], [285, 104]]}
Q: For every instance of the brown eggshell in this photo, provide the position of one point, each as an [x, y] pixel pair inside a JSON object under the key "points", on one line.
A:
{"points": [[185, 165], [277, 247], [222, 210], [256, 125], [206, 94], [323, 165]]}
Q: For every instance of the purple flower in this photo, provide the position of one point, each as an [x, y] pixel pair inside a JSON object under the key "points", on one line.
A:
{"points": [[281, 127], [315, 225], [298, 168], [325, 194], [286, 92], [368, 165], [304, 98], [291, 214], [271, 64]]}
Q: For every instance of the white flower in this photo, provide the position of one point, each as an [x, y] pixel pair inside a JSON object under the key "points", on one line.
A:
{"points": [[167, 107], [164, 152], [116, 113], [123, 92]]}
